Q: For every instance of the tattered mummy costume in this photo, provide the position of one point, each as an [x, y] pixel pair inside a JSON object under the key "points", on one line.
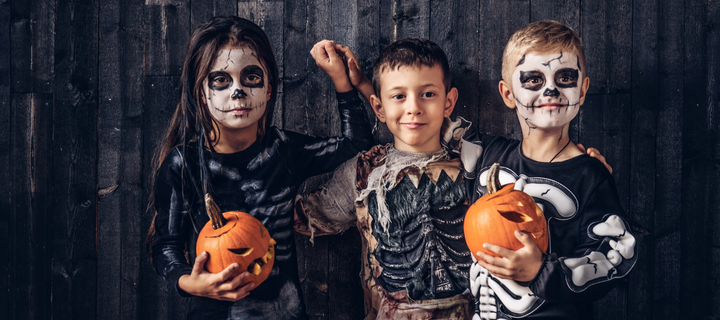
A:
{"points": [[261, 180], [591, 247], [409, 208]]}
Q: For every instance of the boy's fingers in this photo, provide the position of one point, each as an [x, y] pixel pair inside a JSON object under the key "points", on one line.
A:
{"points": [[199, 264], [330, 50], [525, 239], [225, 274], [503, 252]]}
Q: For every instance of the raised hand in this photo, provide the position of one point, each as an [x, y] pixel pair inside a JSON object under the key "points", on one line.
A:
{"points": [[217, 286], [327, 58]]}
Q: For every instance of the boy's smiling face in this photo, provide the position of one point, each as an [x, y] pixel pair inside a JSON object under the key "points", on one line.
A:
{"points": [[547, 89], [413, 104], [236, 90]]}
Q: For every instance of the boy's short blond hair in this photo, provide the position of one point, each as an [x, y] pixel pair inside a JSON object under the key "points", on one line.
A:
{"points": [[540, 36]]}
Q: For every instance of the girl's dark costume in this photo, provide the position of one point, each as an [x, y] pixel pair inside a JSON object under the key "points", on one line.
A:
{"points": [[262, 181]]}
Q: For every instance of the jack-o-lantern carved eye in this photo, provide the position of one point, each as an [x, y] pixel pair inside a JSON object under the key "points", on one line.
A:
{"points": [[243, 252], [515, 216], [496, 216]]}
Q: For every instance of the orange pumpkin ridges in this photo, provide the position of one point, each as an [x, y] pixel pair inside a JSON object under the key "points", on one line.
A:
{"points": [[496, 215], [236, 237]]}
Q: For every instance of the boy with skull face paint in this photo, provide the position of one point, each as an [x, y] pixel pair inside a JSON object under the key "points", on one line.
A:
{"points": [[591, 247]]}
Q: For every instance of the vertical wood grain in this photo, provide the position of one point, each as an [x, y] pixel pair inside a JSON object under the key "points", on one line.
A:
{"points": [[74, 161]]}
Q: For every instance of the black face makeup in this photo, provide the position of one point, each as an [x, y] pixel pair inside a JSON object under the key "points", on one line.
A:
{"points": [[548, 89], [252, 76], [566, 78], [235, 88]]}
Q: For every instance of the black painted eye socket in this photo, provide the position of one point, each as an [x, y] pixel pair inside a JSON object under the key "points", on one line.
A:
{"points": [[566, 78], [252, 76], [219, 80], [532, 80]]}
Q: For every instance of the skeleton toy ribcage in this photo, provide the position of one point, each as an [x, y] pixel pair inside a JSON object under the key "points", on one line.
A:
{"points": [[423, 249]]}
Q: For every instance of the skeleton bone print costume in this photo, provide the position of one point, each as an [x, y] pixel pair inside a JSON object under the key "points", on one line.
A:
{"points": [[261, 180], [409, 209], [591, 247]]}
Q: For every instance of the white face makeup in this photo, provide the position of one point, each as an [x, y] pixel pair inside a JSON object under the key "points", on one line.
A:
{"points": [[236, 89], [547, 88]]}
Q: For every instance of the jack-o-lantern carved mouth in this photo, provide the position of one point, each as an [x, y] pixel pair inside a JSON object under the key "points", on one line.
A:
{"points": [[258, 264]]}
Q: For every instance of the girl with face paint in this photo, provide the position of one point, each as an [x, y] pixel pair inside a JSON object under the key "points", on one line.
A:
{"points": [[220, 144]]}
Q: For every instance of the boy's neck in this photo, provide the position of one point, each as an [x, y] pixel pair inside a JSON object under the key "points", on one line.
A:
{"points": [[548, 145]]}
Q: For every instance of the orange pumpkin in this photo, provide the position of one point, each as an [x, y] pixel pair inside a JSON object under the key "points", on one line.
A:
{"points": [[496, 215], [236, 237]]}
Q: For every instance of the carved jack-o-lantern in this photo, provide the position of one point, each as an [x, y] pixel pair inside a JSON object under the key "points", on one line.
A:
{"points": [[496, 215], [236, 237]]}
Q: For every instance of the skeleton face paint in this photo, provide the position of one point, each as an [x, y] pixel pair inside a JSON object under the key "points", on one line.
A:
{"points": [[235, 89], [547, 88]]}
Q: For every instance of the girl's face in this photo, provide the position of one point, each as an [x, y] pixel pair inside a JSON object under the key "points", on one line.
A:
{"points": [[548, 88], [237, 90]]}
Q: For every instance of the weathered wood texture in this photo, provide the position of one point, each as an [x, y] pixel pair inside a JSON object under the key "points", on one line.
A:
{"points": [[86, 89]]}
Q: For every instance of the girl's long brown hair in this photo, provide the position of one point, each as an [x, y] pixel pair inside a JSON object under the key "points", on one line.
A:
{"points": [[192, 122]]}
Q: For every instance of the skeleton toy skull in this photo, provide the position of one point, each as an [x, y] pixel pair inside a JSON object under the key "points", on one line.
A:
{"points": [[236, 237]]}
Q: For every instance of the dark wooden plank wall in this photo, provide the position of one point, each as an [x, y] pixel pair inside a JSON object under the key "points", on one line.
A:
{"points": [[86, 88]]}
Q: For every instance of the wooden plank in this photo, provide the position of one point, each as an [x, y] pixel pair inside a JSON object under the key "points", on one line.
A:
{"points": [[295, 66], [203, 11], [119, 145], [497, 22], [21, 47], [643, 159], [166, 33], [33, 46], [563, 11], [160, 95], [700, 129], [608, 43], [454, 27], [712, 61], [74, 160], [30, 206], [6, 142]]}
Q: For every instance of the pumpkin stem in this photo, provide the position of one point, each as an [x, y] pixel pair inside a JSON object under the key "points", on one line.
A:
{"points": [[213, 211], [493, 179]]}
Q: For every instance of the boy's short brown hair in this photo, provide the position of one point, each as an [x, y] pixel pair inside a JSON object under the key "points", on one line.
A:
{"points": [[540, 36], [410, 52]]}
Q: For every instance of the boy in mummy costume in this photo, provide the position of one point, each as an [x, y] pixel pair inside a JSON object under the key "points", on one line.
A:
{"points": [[408, 199], [591, 247]]}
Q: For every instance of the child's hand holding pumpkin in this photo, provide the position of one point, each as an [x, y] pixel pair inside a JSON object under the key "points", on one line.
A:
{"points": [[217, 286], [521, 265]]}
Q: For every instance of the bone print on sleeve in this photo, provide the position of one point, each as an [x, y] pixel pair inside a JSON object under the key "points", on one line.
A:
{"points": [[605, 252]]}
